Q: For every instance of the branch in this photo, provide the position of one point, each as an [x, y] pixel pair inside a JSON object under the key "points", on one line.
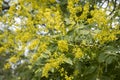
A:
{"points": [[114, 7]]}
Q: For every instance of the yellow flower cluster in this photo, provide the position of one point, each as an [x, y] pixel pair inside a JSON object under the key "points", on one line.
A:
{"points": [[24, 37], [105, 36], [85, 12], [78, 52], [99, 17], [63, 73], [68, 77], [52, 1], [63, 45], [51, 17], [77, 12], [43, 47], [2, 49], [72, 8], [44, 1], [46, 69], [34, 57], [7, 66], [76, 72], [13, 59], [34, 44], [52, 63]]}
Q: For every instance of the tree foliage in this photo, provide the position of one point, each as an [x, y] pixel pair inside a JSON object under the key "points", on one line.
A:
{"points": [[59, 40]]}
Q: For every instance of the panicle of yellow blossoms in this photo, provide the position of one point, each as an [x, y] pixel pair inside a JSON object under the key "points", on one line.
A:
{"points": [[53, 19], [63, 45], [52, 1], [99, 17], [44, 1], [2, 49], [105, 36], [24, 37], [7, 66], [76, 72], [34, 57], [34, 44], [85, 12], [46, 69], [64, 74], [52, 63], [62, 71], [43, 47], [13, 59], [78, 52], [77, 12], [68, 77]]}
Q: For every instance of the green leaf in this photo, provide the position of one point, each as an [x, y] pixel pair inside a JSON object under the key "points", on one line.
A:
{"points": [[91, 77], [52, 70], [44, 55], [81, 26], [69, 61], [109, 60], [105, 78], [41, 61], [67, 21], [84, 32], [102, 57], [90, 70], [1, 77]]}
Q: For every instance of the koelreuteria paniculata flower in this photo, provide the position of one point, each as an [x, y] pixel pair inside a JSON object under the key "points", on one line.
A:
{"points": [[63, 45], [56, 39]]}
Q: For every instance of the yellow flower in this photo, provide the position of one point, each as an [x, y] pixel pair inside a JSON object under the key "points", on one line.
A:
{"points": [[7, 66], [53, 63], [86, 7], [99, 17], [13, 59], [76, 72], [25, 37], [35, 57], [34, 44], [63, 45], [78, 52], [43, 47], [49, 66], [46, 69], [105, 36], [68, 78], [2, 49], [52, 1]]}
